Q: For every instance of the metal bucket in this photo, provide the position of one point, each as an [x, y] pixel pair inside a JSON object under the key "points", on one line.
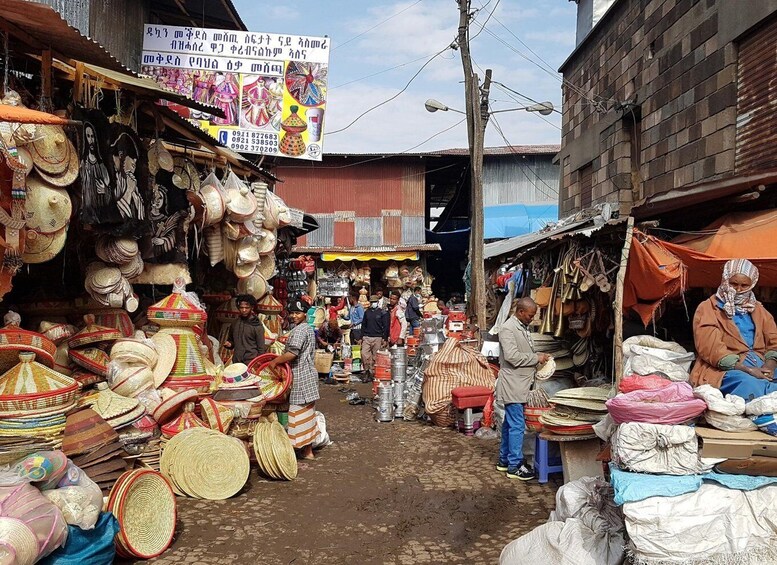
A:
{"points": [[399, 372], [399, 410], [399, 354], [385, 413], [399, 391], [385, 403], [385, 393]]}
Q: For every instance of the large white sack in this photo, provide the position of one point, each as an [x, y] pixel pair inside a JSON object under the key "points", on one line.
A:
{"points": [[763, 405], [564, 543], [731, 405], [656, 448], [712, 526], [645, 355], [728, 423]]}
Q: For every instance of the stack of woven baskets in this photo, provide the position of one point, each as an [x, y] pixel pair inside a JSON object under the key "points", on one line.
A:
{"points": [[274, 452], [204, 463], [87, 350]]}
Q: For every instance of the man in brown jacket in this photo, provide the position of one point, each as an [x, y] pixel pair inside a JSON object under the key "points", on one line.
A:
{"points": [[517, 369]]}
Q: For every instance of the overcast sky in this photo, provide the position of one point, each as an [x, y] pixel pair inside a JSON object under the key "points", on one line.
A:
{"points": [[414, 31]]}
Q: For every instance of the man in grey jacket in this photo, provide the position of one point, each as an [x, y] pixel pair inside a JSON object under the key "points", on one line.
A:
{"points": [[518, 366]]}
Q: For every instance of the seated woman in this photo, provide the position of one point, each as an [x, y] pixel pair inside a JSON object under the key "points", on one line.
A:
{"points": [[735, 337]]}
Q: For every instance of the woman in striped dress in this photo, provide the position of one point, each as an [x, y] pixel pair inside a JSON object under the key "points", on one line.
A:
{"points": [[300, 349]]}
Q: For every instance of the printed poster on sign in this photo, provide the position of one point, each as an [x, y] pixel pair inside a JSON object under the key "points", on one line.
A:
{"points": [[271, 88]]}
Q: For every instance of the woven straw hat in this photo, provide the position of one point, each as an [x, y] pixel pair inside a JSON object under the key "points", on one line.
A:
{"points": [[93, 333], [144, 504], [41, 247], [585, 393], [247, 251], [47, 208], [255, 285], [50, 149], [70, 174], [21, 539], [129, 418], [185, 175], [133, 267], [109, 405], [266, 244], [214, 204], [244, 270], [91, 359], [86, 431], [266, 266], [241, 203], [131, 350], [546, 370], [167, 353], [170, 405], [218, 416], [131, 380]]}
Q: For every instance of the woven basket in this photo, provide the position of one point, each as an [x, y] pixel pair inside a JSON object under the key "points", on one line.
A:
{"points": [[91, 359], [14, 340], [275, 382], [16, 535], [323, 361], [45, 390], [145, 507], [218, 416]]}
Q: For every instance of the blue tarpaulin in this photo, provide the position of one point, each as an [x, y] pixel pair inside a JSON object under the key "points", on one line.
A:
{"points": [[511, 220]]}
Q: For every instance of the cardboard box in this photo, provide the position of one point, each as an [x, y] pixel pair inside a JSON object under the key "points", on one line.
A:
{"points": [[718, 444]]}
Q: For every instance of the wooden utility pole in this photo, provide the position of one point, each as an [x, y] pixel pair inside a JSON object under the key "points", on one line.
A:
{"points": [[477, 118]]}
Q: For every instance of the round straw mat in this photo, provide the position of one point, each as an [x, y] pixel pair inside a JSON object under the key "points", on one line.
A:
{"points": [[283, 452], [261, 450], [546, 370], [144, 504], [15, 534]]}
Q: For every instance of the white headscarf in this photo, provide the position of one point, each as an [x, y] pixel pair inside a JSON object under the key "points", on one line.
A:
{"points": [[737, 302]]}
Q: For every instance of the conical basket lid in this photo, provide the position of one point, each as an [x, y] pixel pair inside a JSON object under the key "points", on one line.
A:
{"points": [[31, 378], [185, 421], [176, 310], [93, 333], [109, 405], [269, 305]]}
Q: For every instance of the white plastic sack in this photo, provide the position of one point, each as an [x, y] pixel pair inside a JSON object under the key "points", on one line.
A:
{"points": [[714, 525], [605, 427], [763, 405], [731, 405], [656, 448], [585, 529], [322, 436], [729, 423], [645, 354]]}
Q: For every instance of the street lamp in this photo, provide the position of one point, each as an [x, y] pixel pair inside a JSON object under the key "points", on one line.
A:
{"points": [[477, 118], [543, 108]]}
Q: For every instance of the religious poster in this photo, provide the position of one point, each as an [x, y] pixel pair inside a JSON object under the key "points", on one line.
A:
{"points": [[113, 175], [270, 89], [168, 214]]}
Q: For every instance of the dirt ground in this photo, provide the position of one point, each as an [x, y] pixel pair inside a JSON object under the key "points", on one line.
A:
{"points": [[395, 492]]}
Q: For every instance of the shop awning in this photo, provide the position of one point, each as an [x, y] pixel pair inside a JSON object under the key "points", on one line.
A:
{"points": [[377, 253], [41, 27], [387, 256]]}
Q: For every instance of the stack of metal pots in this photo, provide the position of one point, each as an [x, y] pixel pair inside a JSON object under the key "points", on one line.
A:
{"points": [[385, 402], [398, 378]]}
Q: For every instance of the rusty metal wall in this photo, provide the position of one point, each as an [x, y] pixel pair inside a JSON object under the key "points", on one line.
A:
{"points": [[365, 189], [324, 236], [756, 137], [118, 26], [369, 231], [344, 234], [75, 12], [392, 230]]}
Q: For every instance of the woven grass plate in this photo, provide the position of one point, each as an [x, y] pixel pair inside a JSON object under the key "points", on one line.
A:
{"points": [[283, 452]]}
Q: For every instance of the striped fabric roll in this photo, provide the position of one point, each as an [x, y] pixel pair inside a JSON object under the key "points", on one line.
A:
{"points": [[302, 424]]}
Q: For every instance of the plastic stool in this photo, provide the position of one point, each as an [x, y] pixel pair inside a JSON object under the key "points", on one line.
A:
{"points": [[542, 465]]}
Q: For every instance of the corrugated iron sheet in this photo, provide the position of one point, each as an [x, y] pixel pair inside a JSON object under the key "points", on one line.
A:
{"points": [[463, 152], [369, 231], [307, 248], [756, 137], [413, 230], [324, 236], [74, 12], [49, 28], [520, 180], [118, 26], [392, 230], [365, 189], [344, 234]]}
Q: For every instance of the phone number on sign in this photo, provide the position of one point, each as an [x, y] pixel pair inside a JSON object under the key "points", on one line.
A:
{"points": [[254, 142]]}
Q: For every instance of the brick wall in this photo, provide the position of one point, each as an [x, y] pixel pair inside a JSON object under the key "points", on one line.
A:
{"points": [[665, 55]]}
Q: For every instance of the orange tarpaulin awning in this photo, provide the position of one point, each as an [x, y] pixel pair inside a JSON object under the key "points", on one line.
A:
{"points": [[22, 115]]}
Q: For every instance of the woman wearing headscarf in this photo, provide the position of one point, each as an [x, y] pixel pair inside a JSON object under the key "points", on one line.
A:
{"points": [[300, 348], [735, 337]]}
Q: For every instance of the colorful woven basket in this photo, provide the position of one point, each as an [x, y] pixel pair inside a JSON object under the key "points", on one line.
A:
{"points": [[144, 505], [274, 382], [91, 359], [189, 362], [176, 310], [218, 416], [30, 386], [14, 340], [93, 333]]}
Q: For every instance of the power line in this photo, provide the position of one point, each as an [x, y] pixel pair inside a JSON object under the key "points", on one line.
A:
{"points": [[404, 88], [377, 25], [524, 44], [540, 116], [421, 58], [490, 15], [505, 87], [554, 191]]}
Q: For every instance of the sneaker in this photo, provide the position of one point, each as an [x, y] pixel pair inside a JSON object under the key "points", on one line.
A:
{"points": [[522, 473], [501, 466]]}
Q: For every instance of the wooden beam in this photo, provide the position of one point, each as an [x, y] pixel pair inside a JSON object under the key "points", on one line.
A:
{"points": [[232, 15], [45, 64], [185, 12], [78, 82], [618, 304]]}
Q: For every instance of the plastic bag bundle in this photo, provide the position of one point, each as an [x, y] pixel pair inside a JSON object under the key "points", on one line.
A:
{"points": [[643, 382], [673, 404], [763, 405], [645, 355], [731, 405], [79, 498], [26, 503]]}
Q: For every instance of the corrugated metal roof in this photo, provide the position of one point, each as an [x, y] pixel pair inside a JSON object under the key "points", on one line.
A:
{"points": [[413, 229], [44, 24], [375, 249], [463, 151], [520, 181]]}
